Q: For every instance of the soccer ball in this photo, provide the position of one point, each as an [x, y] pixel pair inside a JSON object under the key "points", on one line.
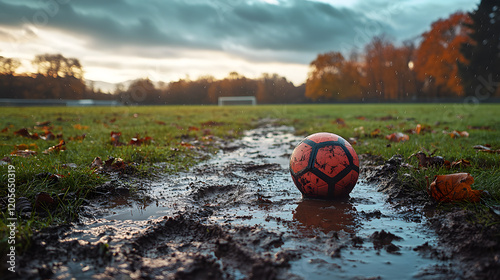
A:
{"points": [[324, 165]]}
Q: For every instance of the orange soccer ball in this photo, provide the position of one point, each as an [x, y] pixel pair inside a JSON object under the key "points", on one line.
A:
{"points": [[324, 165]]}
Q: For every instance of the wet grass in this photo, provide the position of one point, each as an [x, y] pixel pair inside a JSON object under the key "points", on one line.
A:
{"points": [[184, 135]]}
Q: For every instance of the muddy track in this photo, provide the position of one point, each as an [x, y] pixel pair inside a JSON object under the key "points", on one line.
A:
{"points": [[239, 216]]}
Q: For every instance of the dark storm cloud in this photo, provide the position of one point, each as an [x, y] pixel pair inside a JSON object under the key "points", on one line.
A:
{"points": [[293, 30]]}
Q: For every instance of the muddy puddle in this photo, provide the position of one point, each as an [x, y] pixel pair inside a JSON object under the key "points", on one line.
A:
{"points": [[239, 216]]}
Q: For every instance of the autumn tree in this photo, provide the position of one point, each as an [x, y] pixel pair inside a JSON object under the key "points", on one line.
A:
{"points": [[481, 70], [56, 65], [438, 56], [331, 77], [388, 70], [275, 89], [8, 66], [234, 85]]}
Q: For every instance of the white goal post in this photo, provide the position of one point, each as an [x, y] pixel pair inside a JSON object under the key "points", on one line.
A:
{"points": [[237, 100]]}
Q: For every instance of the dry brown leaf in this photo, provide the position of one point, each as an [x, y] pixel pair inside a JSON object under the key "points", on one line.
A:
{"points": [[57, 148], [23, 153], [427, 161], [397, 137], [454, 187]]}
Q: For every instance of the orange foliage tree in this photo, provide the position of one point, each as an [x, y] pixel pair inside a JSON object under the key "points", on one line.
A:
{"points": [[438, 56], [388, 70], [332, 77]]}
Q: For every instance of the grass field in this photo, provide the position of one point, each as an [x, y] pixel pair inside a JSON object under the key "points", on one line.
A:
{"points": [[178, 134]]}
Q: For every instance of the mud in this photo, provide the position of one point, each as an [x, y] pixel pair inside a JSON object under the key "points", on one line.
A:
{"points": [[239, 216]]}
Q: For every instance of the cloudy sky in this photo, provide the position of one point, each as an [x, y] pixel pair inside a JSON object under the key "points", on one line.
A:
{"points": [[118, 40]]}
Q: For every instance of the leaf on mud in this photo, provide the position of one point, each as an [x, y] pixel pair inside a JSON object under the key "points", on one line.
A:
{"points": [[43, 200], [23, 153], [454, 187], [427, 161], [115, 138], [397, 137], [111, 164], [186, 145], [80, 127], [57, 148], [25, 133]]}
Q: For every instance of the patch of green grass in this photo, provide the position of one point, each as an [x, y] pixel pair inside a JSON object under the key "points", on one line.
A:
{"points": [[178, 132]]}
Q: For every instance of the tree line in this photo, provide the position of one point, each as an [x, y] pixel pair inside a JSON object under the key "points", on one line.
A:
{"points": [[458, 57]]}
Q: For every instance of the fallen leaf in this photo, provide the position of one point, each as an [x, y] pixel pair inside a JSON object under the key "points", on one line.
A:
{"points": [[454, 187], [486, 148], [6, 159], [160, 122], [23, 153], [48, 136], [457, 133], [42, 123], [362, 118], [460, 163], [57, 148], [78, 137], [137, 141], [375, 132], [193, 128], [115, 138], [32, 146], [418, 129], [386, 118], [427, 161], [80, 127], [5, 129], [187, 145], [43, 201], [397, 137], [25, 133], [340, 122]]}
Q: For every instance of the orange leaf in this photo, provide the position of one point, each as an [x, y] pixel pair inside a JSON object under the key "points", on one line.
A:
{"points": [[193, 128], [454, 187], [397, 137], [375, 132], [115, 138], [80, 127], [418, 129]]}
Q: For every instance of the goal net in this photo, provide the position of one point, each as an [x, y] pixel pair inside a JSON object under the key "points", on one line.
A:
{"points": [[237, 100]]}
